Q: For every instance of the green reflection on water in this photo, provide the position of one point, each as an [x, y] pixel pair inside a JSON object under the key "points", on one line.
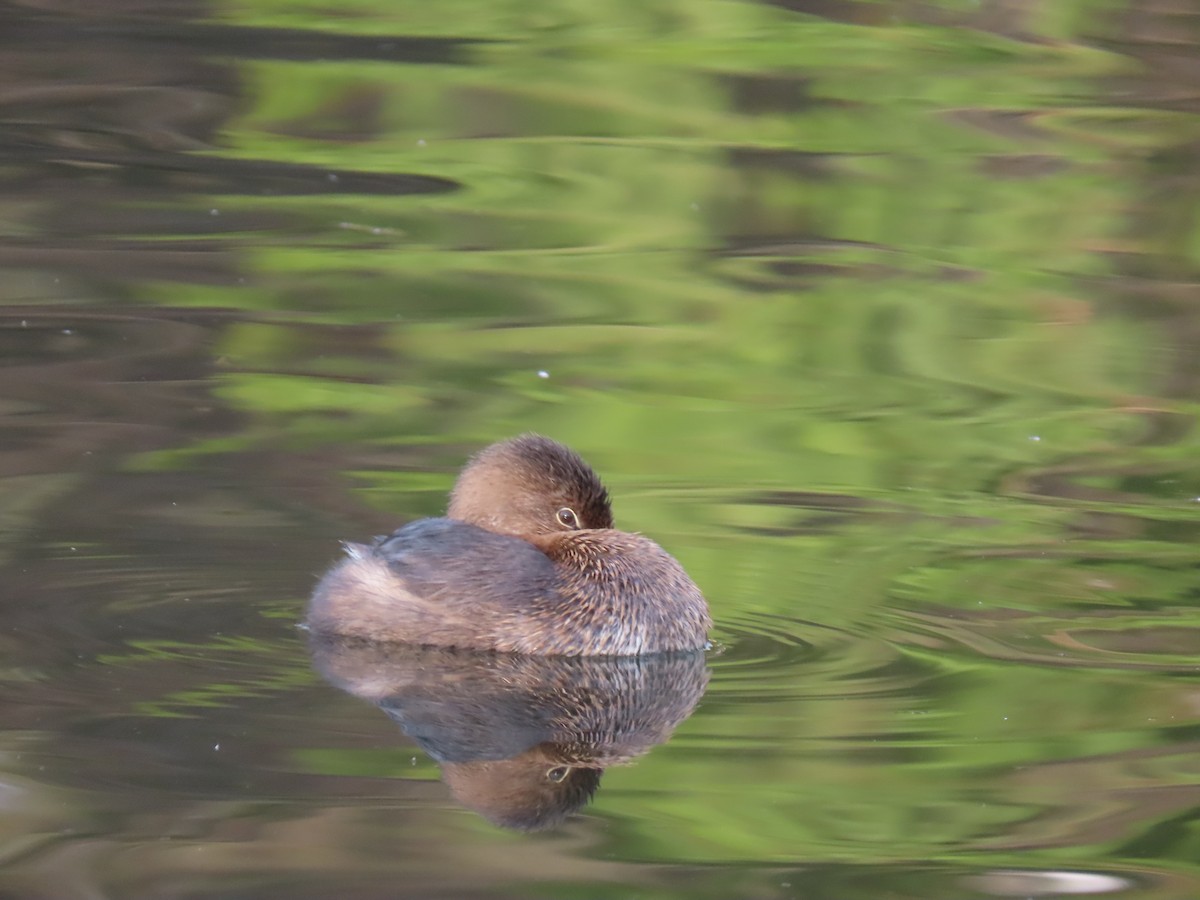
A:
{"points": [[757, 266], [880, 326]]}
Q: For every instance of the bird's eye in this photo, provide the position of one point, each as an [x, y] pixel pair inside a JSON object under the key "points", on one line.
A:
{"points": [[567, 518], [558, 773]]}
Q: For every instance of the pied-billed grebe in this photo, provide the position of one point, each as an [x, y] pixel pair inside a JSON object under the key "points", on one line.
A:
{"points": [[526, 561]]}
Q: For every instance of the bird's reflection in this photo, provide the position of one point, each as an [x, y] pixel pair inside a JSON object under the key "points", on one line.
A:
{"points": [[521, 740]]}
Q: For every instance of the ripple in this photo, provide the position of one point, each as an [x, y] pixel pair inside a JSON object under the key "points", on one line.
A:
{"points": [[1053, 610], [765, 658], [1114, 642]]}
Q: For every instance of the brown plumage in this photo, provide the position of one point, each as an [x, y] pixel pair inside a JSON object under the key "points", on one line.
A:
{"points": [[527, 561], [518, 486]]}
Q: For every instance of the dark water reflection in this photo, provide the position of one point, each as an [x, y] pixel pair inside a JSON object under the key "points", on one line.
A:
{"points": [[881, 317], [521, 740]]}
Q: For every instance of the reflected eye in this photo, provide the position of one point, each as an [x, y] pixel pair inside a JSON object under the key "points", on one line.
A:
{"points": [[558, 773], [566, 517]]}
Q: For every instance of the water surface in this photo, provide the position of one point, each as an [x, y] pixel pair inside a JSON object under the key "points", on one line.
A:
{"points": [[881, 317]]}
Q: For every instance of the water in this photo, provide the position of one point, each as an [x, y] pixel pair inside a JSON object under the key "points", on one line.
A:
{"points": [[880, 317]]}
